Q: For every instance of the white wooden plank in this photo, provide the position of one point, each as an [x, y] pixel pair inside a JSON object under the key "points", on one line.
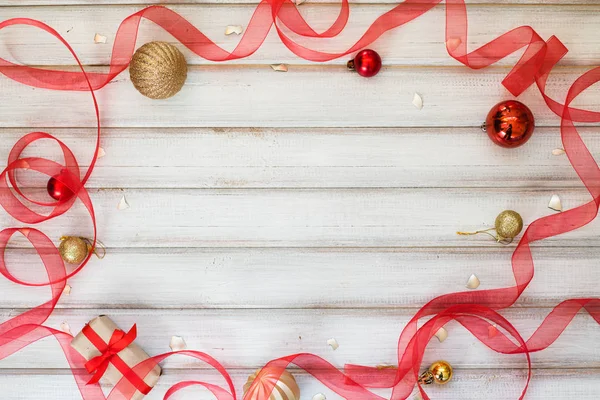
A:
{"points": [[298, 278], [495, 384], [304, 97], [250, 338], [309, 218], [418, 43], [302, 158]]}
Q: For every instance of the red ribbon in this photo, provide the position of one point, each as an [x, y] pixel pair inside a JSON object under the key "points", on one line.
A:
{"points": [[475, 310], [110, 354]]}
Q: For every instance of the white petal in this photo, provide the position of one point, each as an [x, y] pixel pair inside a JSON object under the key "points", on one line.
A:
{"points": [[67, 290], [417, 101], [98, 38], [441, 334], [123, 204], [177, 343], [473, 282], [279, 67], [558, 152], [333, 343], [101, 152], [319, 396], [66, 328], [237, 29], [555, 203]]}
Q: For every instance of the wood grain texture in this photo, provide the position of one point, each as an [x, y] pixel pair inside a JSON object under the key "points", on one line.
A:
{"points": [[227, 96], [421, 42], [309, 217], [496, 384], [271, 212], [250, 338], [310, 158], [300, 278]]}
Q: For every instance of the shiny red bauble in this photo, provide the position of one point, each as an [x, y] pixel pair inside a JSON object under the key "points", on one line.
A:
{"points": [[367, 63], [57, 189], [509, 124]]}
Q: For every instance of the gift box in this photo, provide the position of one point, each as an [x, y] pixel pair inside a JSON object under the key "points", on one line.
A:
{"points": [[111, 354]]}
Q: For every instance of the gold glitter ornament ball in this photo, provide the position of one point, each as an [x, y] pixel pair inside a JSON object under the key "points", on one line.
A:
{"points": [[285, 387], [508, 224], [73, 250], [158, 70], [442, 372]]}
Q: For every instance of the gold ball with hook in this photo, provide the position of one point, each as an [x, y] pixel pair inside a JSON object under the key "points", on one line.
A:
{"points": [[441, 371], [508, 224], [73, 249]]}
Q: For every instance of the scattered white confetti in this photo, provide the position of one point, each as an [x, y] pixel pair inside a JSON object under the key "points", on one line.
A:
{"points": [[441, 334], [453, 43], [67, 290], [558, 152], [98, 38], [123, 204], [66, 328], [237, 29], [473, 282], [101, 152], [555, 203], [177, 343], [417, 101], [333, 343], [319, 396], [492, 331], [279, 67]]}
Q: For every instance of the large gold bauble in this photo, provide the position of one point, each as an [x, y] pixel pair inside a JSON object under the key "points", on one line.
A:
{"points": [[508, 224], [73, 250], [158, 70], [285, 388], [442, 372]]}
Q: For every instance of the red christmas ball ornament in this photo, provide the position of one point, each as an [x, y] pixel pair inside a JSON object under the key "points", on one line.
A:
{"points": [[56, 187], [367, 63], [509, 124]]}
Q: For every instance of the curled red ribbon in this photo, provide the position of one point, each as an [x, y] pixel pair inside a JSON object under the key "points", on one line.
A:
{"points": [[476, 311]]}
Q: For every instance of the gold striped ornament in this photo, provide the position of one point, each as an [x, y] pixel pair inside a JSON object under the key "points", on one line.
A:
{"points": [[158, 70], [285, 387]]}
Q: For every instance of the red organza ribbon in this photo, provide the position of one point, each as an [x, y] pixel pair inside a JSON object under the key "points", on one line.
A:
{"points": [[475, 310]]}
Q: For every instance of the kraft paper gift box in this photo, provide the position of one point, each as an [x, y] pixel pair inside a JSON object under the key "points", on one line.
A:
{"points": [[96, 338]]}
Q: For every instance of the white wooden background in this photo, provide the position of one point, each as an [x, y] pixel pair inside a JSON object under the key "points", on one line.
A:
{"points": [[273, 211]]}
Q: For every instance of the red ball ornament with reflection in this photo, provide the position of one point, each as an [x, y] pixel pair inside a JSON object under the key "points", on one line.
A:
{"points": [[509, 124], [57, 189], [367, 63]]}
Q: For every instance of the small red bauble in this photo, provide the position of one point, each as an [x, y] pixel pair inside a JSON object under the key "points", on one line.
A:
{"points": [[509, 124], [367, 63], [57, 189]]}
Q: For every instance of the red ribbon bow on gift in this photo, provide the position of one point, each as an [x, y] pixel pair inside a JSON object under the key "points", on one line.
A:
{"points": [[110, 355]]}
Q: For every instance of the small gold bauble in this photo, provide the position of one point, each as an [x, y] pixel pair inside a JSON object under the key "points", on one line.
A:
{"points": [[285, 387], [442, 372], [158, 70], [73, 250], [508, 224]]}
